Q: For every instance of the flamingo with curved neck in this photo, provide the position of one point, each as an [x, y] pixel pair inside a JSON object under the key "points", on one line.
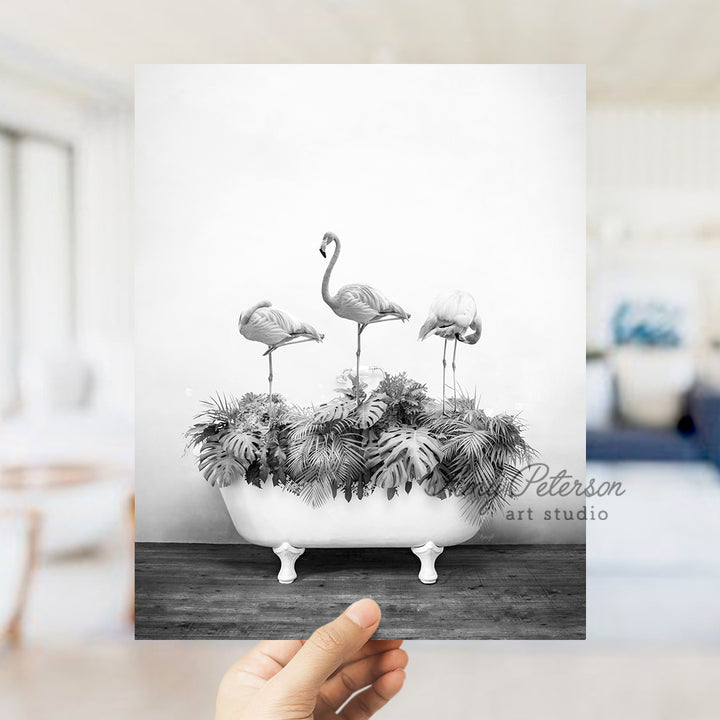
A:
{"points": [[450, 317], [268, 325], [360, 303]]}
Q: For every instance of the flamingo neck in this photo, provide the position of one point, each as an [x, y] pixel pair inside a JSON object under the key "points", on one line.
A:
{"points": [[326, 278], [475, 325], [245, 317]]}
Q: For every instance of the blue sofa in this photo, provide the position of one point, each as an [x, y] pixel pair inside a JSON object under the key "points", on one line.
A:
{"points": [[697, 438]]}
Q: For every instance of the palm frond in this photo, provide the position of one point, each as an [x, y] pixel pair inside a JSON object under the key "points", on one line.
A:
{"points": [[474, 509], [350, 462], [470, 443], [317, 492], [507, 433], [484, 499], [335, 458]]}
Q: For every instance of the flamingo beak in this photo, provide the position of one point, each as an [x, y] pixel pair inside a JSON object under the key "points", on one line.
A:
{"points": [[322, 252]]}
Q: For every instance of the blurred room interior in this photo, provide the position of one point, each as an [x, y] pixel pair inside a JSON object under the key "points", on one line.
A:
{"points": [[66, 373]]}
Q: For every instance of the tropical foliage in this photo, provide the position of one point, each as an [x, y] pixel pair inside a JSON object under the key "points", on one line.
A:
{"points": [[393, 440]]}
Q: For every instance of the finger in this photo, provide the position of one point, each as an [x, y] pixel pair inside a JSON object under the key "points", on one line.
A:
{"points": [[365, 704], [327, 649], [358, 675], [281, 651], [263, 662], [251, 672], [374, 647]]}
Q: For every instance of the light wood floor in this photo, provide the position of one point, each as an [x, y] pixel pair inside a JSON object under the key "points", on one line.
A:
{"points": [[483, 592]]}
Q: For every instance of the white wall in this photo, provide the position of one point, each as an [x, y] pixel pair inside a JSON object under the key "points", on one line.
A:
{"points": [[105, 255], [435, 177], [46, 273]]}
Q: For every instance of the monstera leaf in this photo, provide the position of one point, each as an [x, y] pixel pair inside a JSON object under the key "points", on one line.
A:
{"points": [[389, 477], [404, 454], [336, 410], [436, 482], [244, 446], [218, 466], [370, 412]]}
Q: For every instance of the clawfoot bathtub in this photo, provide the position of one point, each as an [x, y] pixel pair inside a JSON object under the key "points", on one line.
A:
{"points": [[272, 517]]}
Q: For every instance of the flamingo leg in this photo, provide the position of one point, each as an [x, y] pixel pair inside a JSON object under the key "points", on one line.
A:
{"points": [[454, 383], [270, 379], [382, 319], [269, 352], [289, 341], [361, 327], [443, 383]]}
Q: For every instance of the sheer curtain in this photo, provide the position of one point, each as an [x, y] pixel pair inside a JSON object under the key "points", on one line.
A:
{"points": [[38, 318]]}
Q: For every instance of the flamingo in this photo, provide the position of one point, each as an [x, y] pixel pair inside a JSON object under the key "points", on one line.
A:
{"points": [[450, 317], [362, 304], [265, 324]]}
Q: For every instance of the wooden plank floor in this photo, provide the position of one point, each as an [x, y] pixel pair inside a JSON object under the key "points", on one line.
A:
{"points": [[187, 591]]}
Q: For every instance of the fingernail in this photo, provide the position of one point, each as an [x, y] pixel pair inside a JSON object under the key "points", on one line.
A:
{"points": [[364, 613]]}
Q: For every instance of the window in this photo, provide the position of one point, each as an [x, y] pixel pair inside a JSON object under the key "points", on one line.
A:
{"points": [[37, 258]]}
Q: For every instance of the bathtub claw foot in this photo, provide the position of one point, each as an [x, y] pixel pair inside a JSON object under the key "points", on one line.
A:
{"points": [[288, 555], [427, 553]]}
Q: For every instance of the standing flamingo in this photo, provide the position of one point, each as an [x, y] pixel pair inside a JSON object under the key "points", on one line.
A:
{"points": [[360, 303], [274, 328], [450, 317]]}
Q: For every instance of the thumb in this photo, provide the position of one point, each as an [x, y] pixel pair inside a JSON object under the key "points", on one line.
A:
{"points": [[327, 649]]}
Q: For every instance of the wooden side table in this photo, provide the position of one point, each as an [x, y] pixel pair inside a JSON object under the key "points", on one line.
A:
{"points": [[38, 493], [23, 529]]}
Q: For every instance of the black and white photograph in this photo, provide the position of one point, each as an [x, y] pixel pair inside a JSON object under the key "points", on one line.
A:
{"points": [[359, 362]]}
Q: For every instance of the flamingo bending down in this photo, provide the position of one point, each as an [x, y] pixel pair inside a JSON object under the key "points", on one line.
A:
{"points": [[274, 328], [360, 303], [450, 317]]}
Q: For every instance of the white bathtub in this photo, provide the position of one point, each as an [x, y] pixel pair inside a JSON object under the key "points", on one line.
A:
{"points": [[271, 517]]}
